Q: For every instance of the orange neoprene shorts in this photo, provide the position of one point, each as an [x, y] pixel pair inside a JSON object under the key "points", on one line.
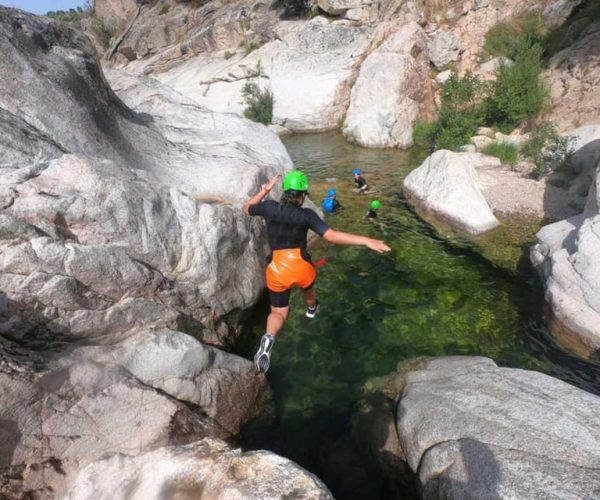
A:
{"points": [[287, 269]]}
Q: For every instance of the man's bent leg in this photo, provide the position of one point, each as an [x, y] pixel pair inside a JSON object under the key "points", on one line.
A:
{"points": [[276, 319]]}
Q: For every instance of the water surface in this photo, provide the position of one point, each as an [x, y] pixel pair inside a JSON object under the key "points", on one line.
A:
{"points": [[428, 297]]}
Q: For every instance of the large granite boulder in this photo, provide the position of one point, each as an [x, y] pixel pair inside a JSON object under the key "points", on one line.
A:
{"points": [[205, 469], [446, 186], [566, 256], [142, 224], [120, 234], [472, 430], [61, 411], [320, 58], [391, 91]]}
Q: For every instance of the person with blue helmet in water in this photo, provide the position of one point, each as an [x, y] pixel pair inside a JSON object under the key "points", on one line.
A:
{"points": [[361, 184], [330, 203]]}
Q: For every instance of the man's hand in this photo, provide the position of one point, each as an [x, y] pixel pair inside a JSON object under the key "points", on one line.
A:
{"points": [[272, 183], [378, 246]]}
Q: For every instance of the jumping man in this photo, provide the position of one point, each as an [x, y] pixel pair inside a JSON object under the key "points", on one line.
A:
{"points": [[289, 263]]}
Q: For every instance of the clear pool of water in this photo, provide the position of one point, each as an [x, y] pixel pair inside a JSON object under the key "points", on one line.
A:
{"points": [[428, 297]]}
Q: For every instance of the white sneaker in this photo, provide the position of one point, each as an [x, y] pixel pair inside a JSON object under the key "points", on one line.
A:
{"points": [[311, 312], [262, 358]]}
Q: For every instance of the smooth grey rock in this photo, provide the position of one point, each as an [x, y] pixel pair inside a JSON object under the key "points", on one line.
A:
{"points": [[473, 430], [320, 58], [566, 256], [446, 186], [443, 76], [444, 47], [207, 469], [221, 386], [392, 86]]}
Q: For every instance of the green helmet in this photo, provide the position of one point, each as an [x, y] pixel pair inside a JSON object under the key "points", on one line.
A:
{"points": [[295, 180], [375, 204]]}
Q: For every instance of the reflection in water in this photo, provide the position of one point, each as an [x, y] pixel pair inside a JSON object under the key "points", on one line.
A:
{"points": [[428, 297]]}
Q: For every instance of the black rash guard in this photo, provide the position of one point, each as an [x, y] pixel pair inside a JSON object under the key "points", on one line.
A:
{"points": [[360, 182], [288, 224]]}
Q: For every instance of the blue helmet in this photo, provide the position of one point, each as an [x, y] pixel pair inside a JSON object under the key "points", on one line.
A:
{"points": [[356, 171], [331, 192], [328, 205]]}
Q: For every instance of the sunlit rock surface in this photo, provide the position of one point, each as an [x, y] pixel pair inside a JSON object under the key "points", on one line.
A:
{"points": [[567, 258], [206, 469], [392, 90], [472, 430], [446, 186]]}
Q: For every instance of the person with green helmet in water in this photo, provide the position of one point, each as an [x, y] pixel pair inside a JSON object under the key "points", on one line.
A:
{"points": [[289, 264], [372, 212]]}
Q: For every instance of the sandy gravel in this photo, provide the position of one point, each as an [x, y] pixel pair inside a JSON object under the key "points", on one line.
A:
{"points": [[510, 192]]}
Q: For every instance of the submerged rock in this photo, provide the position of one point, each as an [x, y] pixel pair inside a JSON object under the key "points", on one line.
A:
{"points": [[392, 90], [446, 186], [205, 469]]}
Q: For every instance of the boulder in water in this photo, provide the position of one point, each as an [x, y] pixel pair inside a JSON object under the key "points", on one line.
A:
{"points": [[446, 186]]}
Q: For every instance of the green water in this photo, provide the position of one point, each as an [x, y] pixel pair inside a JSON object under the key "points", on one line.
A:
{"points": [[427, 297]]}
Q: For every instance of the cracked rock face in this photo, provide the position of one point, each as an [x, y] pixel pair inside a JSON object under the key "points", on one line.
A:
{"points": [[61, 411], [205, 469], [392, 90], [573, 79], [122, 245], [472, 430], [103, 223]]}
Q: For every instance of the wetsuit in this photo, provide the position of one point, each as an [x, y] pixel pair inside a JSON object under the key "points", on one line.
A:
{"points": [[289, 263], [360, 181]]}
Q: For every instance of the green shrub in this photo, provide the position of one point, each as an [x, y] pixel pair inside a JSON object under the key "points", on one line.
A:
{"points": [[507, 152], [461, 112], [505, 38], [71, 16], [424, 134], [259, 103], [547, 149], [250, 46], [518, 94], [163, 10]]}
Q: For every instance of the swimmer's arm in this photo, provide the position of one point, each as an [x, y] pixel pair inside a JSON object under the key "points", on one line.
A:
{"points": [[341, 238], [260, 196]]}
